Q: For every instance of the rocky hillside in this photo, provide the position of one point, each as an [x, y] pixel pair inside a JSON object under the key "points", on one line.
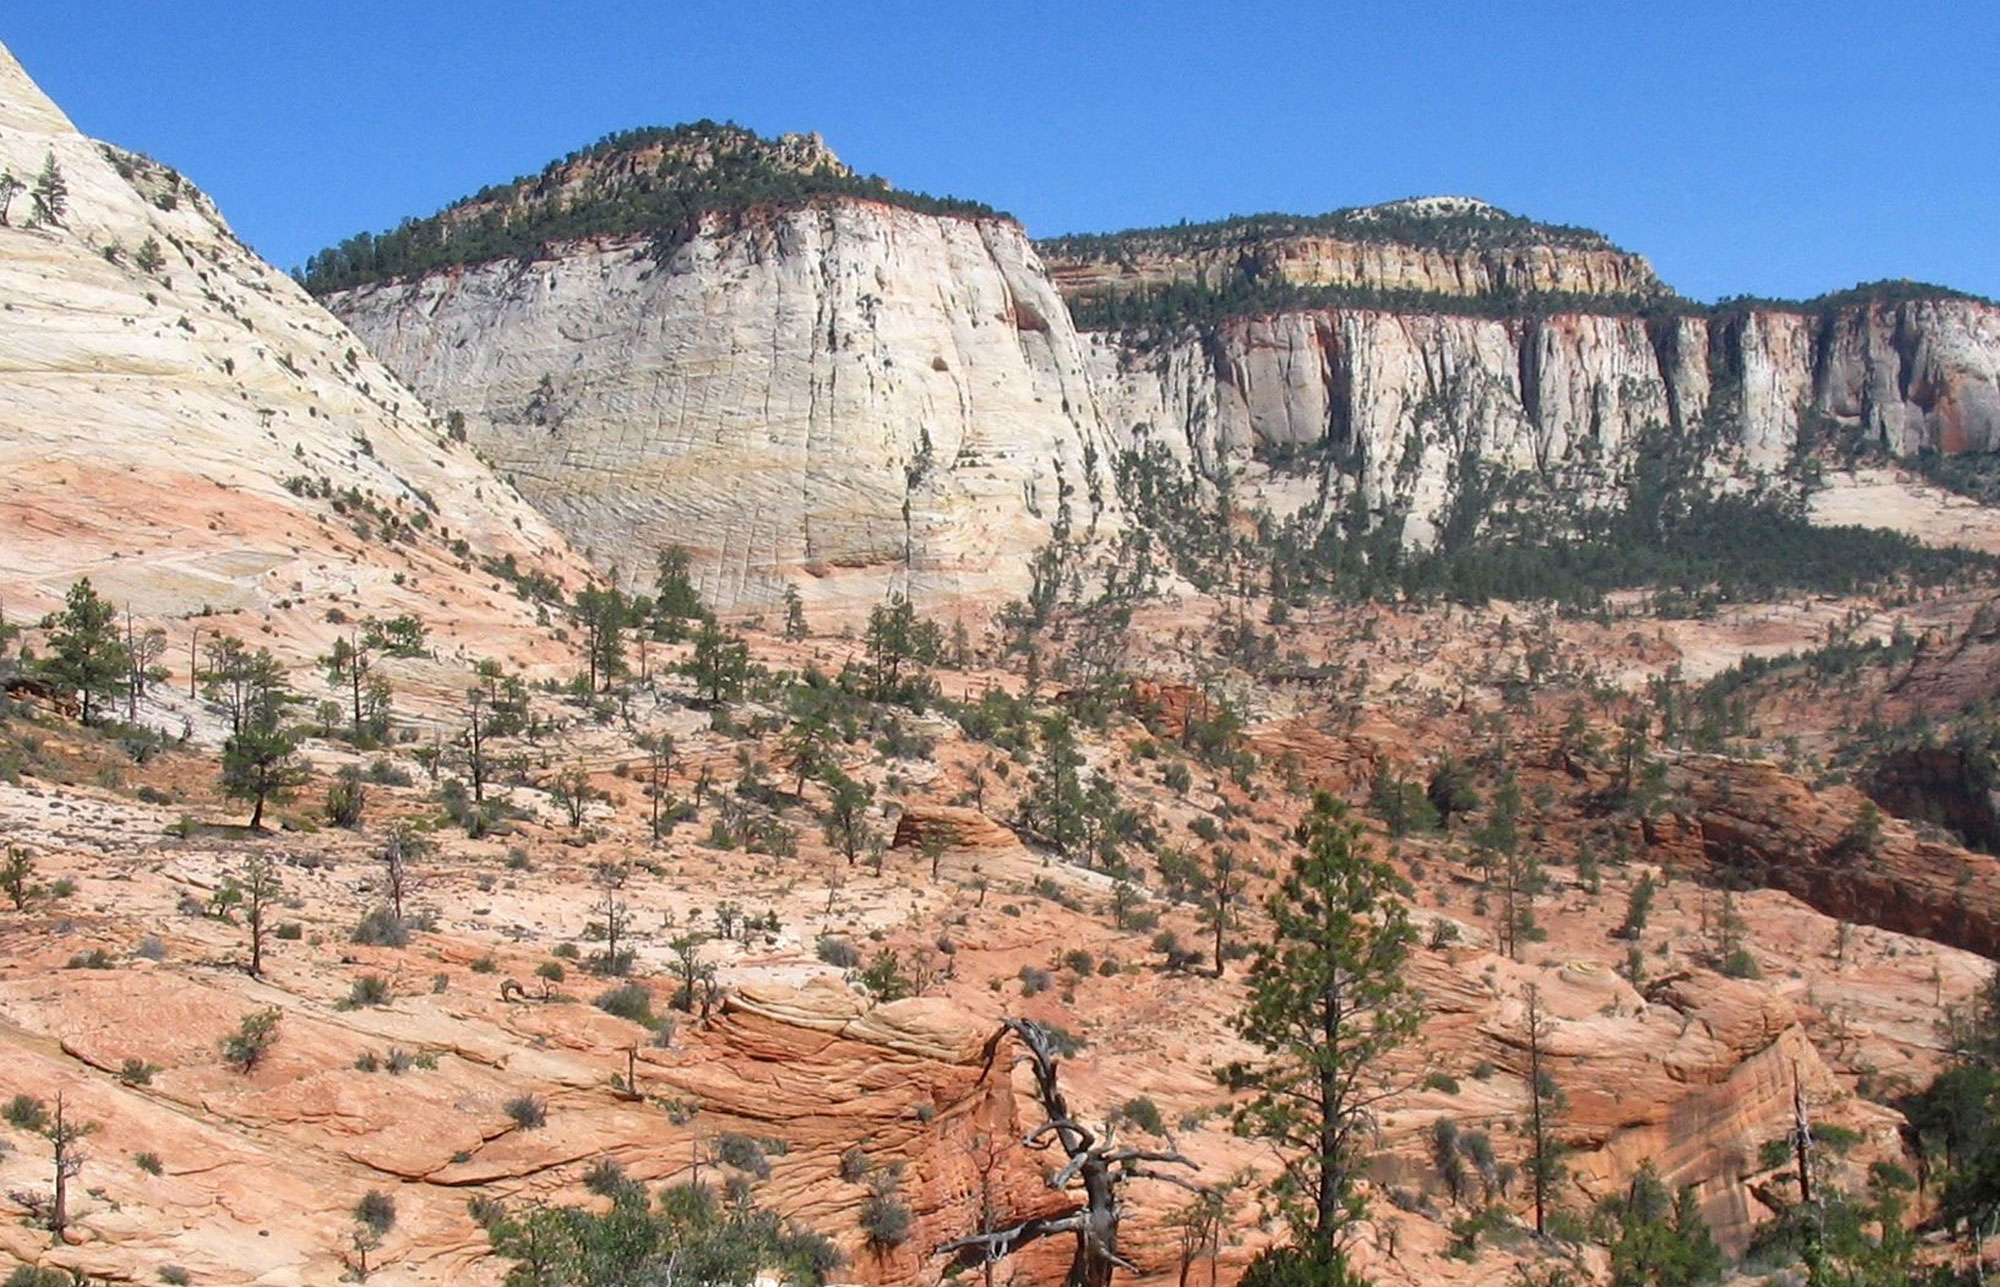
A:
{"points": [[183, 424]]}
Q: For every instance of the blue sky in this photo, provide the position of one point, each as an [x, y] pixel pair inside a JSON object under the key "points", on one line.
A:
{"points": [[1766, 147]]}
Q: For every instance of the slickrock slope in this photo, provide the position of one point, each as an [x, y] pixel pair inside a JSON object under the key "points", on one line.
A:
{"points": [[850, 396], [166, 398]]}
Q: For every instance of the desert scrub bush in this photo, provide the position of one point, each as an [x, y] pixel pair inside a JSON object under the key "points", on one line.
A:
{"points": [[346, 799], [1441, 1081], [95, 959], [1143, 1113], [838, 952], [606, 1178], [150, 948], [376, 1211], [528, 1111], [628, 1001], [1034, 979], [854, 1166], [149, 1163], [27, 1112], [368, 990], [485, 1212], [245, 1048], [137, 1072], [381, 927], [742, 1152], [885, 1219], [174, 1276]]}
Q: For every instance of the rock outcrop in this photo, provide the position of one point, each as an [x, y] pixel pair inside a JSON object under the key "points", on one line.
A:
{"points": [[850, 396]]}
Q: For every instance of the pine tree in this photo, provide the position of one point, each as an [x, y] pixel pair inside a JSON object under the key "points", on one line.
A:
{"points": [[50, 197], [260, 761], [1545, 1099], [10, 187], [1328, 1002], [795, 614], [87, 654]]}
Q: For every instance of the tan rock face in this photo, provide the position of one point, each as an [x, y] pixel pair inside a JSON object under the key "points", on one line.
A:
{"points": [[159, 421], [850, 396], [1398, 398], [1316, 259]]}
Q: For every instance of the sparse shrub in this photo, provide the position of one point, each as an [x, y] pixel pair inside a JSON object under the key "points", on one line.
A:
{"points": [[1034, 980], [838, 952], [884, 1216], [150, 949], [740, 1151], [346, 799], [529, 1113], [367, 1062], [376, 1211], [1441, 1081], [95, 959], [27, 1112], [628, 1001], [137, 1072], [854, 1165], [1143, 1113], [368, 990], [381, 927], [149, 1163], [173, 1275], [246, 1047], [485, 1212], [606, 1178], [290, 931]]}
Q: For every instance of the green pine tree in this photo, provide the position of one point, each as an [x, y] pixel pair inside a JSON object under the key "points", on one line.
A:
{"points": [[87, 654]]}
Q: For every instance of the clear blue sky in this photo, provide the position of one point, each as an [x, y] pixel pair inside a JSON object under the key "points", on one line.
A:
{"points": [[1745, 146]]}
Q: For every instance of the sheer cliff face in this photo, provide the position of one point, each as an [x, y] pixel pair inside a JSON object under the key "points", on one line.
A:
{"points": [[851, 397], [1399, 398]]}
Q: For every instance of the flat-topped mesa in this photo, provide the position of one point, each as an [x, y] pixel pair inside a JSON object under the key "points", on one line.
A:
{"points": [[1422, 246]]}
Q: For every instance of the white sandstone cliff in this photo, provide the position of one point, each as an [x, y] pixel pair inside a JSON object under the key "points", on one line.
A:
{"points": [[851, 396]]}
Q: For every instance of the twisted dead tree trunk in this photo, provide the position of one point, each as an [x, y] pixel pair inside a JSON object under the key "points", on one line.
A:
{"points": [[1095, 1173]]}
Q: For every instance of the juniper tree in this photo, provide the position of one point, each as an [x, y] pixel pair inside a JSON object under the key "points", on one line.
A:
{"points": [[1328, 1003], [795, 614], [10, 187]]}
